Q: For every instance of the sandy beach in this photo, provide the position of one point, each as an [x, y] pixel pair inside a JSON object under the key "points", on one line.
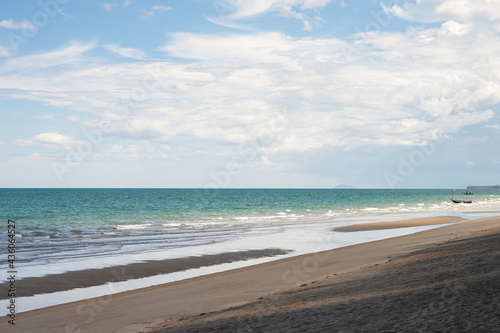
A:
{"points": [[444, 279]]}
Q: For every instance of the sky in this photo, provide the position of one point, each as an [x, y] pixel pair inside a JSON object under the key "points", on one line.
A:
{"points": [[249, 94]]}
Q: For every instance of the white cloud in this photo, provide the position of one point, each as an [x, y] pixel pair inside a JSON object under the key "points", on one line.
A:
{"points": [[61, 12], [464, 10], [383, 89], [148, 13], [52, 140], [108, 6], [229, 24], [244, 9], [14, 25], [48, 116], [230, 11], [5, 52], [70, 54], [444, 10], [251, 48], [136, 152], [161, 8], [397, 11], [469, 163], [125, 51], [314, 4], [455, 28]]}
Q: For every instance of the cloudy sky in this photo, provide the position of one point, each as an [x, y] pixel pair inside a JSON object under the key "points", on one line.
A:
{"points": [[261, 93]]}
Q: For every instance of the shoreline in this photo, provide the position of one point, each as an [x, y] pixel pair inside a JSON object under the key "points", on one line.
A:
{"points": [[32, 286], [144, 308], [99, 277]]}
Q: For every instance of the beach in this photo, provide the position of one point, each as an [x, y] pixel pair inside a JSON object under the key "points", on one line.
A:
{"points": [[434, 279], [249, 166]]}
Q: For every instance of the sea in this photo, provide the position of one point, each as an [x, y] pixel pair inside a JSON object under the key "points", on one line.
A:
{"points": [[63, 230]]}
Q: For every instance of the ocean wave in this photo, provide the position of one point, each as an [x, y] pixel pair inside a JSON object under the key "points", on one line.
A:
{"points": [[132, 226], [141, 228], [370, 209]]}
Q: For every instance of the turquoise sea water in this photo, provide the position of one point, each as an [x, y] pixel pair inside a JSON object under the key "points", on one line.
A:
{"points": [[84, 226]]}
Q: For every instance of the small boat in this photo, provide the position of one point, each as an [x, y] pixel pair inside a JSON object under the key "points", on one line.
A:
{"points": [[468, 193], [459, 201]]}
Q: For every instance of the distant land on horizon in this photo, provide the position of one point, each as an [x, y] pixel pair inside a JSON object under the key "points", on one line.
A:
{"points": [[489, 187], [344, 186]]}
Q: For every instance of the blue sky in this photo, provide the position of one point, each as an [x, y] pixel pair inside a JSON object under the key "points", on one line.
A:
{"points": [[233, 93]]}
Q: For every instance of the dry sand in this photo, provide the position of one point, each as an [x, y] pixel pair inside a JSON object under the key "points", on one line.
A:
{"points": [[445, 279]]}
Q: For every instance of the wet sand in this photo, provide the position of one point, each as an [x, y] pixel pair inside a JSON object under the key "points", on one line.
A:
{"points": [[96, 277], [445, 276], [401, 224]]}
